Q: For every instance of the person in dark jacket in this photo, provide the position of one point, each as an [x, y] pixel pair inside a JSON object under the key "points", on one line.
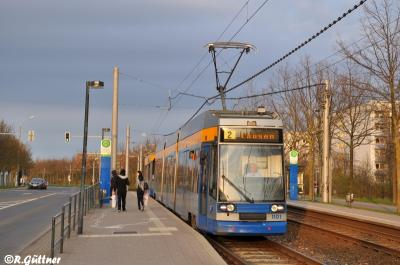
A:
{"points": [[113, 187], [121, 182], [140, 190]]}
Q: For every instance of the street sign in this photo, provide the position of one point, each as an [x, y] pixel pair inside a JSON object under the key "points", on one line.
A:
{"points": [[105, 147], [293, 157]]}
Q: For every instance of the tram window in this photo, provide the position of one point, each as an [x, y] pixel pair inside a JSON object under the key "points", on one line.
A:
{"points": [[213, 176], [195, 171]]}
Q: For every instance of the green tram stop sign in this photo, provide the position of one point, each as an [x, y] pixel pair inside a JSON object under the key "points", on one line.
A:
{"points": [[293, 157], [105, 148]]}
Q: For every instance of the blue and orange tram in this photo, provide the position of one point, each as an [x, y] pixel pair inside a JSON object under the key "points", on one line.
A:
{"points": [[223, 173]]}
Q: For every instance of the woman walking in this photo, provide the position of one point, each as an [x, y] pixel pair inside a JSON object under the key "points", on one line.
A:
{"points": [[140, 190]]}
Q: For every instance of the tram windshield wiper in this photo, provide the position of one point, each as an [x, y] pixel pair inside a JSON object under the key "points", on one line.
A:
{"points": [[243, 193]]}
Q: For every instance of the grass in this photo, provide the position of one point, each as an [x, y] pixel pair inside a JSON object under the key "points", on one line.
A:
{"points": [[7, 187], [385, 201]]}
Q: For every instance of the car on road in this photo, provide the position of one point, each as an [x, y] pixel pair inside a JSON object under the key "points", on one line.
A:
{"points": [[37, 183]]}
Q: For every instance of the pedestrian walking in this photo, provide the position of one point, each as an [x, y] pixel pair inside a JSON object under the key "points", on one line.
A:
{"points": [[140, 190], [146, 194], [121, 183], [113, 188]]}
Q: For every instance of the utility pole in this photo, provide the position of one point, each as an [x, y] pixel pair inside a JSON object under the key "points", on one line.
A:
{"points": [[114, 129], [141, 157], [94, 164], [397, 150], [325, 157], [128, 139]]}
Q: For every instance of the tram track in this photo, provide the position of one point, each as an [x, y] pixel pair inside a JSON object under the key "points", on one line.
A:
{"points": [[377, 237], [257, 250]]}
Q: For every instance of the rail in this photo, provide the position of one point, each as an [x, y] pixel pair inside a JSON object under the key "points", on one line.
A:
{"points": [[257, 250], [68, 217]]}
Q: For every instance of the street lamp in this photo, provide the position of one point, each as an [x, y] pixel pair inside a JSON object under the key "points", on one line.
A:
{"points": [[94, 85], [103, 130]]}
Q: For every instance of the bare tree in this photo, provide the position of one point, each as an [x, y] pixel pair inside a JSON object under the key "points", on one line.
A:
{"points": [[352, 116], [379, 56], [299, 111]]}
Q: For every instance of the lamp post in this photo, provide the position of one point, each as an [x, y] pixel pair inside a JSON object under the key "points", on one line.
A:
{"points": [[17, 180], [94, 85], [103, 130]]}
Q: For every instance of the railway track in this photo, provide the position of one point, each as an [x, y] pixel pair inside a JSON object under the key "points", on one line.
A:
{"points": [[377, 237], [257, 250]]}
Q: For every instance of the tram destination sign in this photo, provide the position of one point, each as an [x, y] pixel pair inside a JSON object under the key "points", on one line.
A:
{"points": [[251, 135]]}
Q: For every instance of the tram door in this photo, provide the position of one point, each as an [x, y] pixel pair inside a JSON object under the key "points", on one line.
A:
{"points": [[205, 156]]}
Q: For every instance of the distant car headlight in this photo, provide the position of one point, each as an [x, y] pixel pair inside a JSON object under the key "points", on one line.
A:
{"points": [[230, 207], [222, 207]]}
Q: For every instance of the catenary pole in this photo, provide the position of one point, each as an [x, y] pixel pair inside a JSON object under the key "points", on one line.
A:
{"points": [[128, 139], [325, 157], [114, 129]]}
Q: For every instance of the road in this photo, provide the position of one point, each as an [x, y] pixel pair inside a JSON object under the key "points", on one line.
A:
{"points": [[25, 214]]}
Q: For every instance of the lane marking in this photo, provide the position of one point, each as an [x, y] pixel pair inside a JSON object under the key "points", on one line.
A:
{"points": [[126, 235], [162, 229], [25, 201]]}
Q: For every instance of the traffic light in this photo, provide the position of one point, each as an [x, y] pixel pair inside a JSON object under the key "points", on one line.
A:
{"points": [[67, 137]]}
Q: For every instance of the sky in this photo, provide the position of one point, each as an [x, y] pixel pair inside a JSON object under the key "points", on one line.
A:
{"points": [[48, 49]]}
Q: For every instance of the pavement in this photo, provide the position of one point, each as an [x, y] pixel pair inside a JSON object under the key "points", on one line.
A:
{"points": [[388, 219], [155, 236]]}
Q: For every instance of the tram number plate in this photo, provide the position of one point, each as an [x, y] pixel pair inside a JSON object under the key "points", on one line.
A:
{"points": [[276, 217]]}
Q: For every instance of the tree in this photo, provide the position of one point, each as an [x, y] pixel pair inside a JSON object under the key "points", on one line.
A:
{"points": [[380, 57], [352, 116], [16, 153], [299, 110]]}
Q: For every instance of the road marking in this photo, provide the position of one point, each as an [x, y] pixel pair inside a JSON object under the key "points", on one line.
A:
{"points": [[14, 203], [162, 229], [126, 235]]}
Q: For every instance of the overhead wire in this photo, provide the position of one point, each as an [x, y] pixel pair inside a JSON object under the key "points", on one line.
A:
{"points": [[205, 68], [300, 46], [275, 92], [230, 39], [138, 79], [160, 119]]}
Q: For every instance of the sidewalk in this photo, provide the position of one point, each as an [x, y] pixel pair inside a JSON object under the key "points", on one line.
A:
{"points": [[373, 216], [384, 208], [155, 236]]}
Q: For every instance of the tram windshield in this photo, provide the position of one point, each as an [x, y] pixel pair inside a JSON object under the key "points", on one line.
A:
{"points": [[251, 173]]}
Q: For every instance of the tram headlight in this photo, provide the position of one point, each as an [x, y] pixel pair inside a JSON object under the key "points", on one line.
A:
{"points": [[227, 207], [230, 207], [277, 208]]}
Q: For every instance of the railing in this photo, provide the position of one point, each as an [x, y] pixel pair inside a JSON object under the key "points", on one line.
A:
{"points": [[67, 218]]}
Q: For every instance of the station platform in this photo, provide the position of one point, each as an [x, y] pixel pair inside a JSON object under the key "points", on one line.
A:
{"points": [[154, 236], [391, 220]]}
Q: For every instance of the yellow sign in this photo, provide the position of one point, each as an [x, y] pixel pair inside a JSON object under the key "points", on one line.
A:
{"points": [[229, 134]]}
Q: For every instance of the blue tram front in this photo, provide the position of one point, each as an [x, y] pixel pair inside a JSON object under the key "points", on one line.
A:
{"points": [[223, 172]]}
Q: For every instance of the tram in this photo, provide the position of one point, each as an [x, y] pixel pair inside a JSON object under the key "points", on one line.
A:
{"points": [[223, 173]]}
